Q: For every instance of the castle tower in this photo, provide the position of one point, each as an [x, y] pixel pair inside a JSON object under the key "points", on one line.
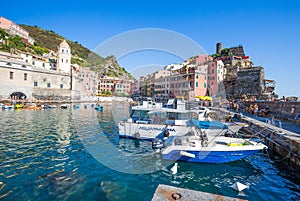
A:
{"points": [[64, 57], [218, 48]]}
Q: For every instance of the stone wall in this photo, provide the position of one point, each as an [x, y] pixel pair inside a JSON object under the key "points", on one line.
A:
{"points": [[250, 81], [54, 94], [33, 82], [281, 109]]}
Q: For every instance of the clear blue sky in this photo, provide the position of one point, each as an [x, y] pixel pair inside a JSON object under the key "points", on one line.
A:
{"points": [[268, 30]]}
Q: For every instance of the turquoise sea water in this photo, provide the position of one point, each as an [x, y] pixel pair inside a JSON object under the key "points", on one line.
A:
{"points": [[68, 154]]}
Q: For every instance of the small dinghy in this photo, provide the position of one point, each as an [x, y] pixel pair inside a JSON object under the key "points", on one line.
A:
{"points": [[99, 108]]}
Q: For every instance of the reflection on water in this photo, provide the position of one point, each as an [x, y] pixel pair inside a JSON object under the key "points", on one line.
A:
{"points": [[43, 157]]}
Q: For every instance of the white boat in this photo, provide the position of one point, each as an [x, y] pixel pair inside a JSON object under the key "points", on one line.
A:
{"points": [[8, 107], [51, 106], [198, 147], [151, 120], [65, 106]]}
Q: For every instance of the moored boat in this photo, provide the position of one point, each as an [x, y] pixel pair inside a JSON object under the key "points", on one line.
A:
{"points": [[99, 107], [198, 147], [150, 120], [64, 106], [8, 107], [18, 106], [51, 106]]}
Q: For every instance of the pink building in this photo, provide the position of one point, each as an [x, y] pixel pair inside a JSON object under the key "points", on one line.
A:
{"points": [[13, 29], [88, 78], [184, 82], [114, 85]]}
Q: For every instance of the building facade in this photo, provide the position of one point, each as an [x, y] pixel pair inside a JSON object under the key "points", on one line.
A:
{"points": [[19, 80], [89, 81], [13, 29], [114, 85]]}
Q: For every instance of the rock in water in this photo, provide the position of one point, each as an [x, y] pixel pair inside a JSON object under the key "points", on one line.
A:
{"points": [[114, 190]]}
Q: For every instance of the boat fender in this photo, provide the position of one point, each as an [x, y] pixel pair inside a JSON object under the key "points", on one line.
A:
{"points": [[166, 133], [137, 135]]}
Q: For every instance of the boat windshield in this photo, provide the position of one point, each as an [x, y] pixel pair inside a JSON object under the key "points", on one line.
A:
{"points": [[139, 115], [158, 117], [169, 117]]}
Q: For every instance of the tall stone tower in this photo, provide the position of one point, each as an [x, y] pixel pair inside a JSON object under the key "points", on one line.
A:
{"points": [[64, 57], [218, 48]]}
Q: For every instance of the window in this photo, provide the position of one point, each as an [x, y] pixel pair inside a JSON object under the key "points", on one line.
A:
{"points": [[25, 76], [62, 60], [33, 63], [67, 61], [43, 64], [11, 75], [35, 83], [48, 85], [196, 76], [62, 50], [61, 86], [26, 61], [204, 85]]}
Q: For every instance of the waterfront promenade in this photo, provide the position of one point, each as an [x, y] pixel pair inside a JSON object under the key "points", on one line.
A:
{"points": [[88, 99]]}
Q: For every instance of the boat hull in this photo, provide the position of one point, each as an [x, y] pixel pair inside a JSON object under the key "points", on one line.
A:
{"points": [[208, 156], [145, 131]]}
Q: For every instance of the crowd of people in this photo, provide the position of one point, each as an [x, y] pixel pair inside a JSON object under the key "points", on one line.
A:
{"points": [[247, 105]]}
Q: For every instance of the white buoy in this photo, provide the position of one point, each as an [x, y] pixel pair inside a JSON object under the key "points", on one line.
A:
{"points": [[174, 169], [1, 183], [239, 186]]}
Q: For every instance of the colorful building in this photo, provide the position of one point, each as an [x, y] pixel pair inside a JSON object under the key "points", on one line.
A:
{"points": [[13, 29], [114, 85], [89, 81]]}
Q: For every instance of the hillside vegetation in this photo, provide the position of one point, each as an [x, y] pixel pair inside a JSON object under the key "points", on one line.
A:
{"points": [[46, 40]]}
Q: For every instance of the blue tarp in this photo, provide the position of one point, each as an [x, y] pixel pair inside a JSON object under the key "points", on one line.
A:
{"points": [[207, 124], [211, 125]]}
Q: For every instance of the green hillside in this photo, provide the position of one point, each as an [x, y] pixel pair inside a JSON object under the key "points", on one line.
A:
{"points": [[80, 55]]}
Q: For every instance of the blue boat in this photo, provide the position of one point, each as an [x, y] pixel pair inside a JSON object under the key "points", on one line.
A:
{"points": [[197, 147], [99, 108], [76, 106]]}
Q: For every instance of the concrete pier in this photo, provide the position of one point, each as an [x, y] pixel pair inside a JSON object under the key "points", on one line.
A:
{"points": [[170, 193], [284, 143]]}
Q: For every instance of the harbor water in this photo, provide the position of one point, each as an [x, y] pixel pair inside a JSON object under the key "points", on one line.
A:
{"points": [[76, 154]]}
